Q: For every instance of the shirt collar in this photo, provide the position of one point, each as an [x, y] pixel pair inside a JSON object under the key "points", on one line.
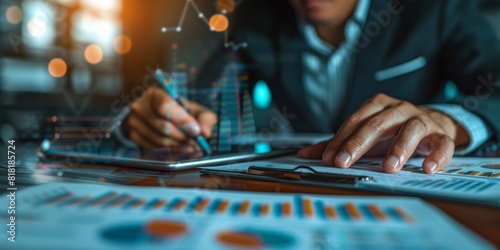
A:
{"points": [[352, 29]]}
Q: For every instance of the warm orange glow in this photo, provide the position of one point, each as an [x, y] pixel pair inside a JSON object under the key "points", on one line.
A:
{"points": [[122, 44], [225, 6], [36, 27], [93, 54], [14, 15], [174, 46], [218, 23], [57, 67]]}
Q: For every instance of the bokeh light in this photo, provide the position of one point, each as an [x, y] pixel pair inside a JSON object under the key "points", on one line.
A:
{"points": [[93, 54], [225, 6], [36, 27], [14, 15], [57, 67], [218, 23], [122, 44]]}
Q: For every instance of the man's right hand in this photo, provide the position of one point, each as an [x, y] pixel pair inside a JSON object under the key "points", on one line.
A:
{"points": [[156, 120]]}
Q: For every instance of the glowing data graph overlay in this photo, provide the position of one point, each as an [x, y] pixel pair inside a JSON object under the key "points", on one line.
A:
{"points": [[298, 207], [217, 22]]}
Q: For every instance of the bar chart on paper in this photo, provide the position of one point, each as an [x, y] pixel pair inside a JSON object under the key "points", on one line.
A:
{"points": [[484, 168], [115, 217]]}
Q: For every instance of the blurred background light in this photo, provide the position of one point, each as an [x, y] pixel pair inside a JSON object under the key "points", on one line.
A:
{"points": [[93, 54], [14, 15], [57, 67], [122, 44], [218, 23]]}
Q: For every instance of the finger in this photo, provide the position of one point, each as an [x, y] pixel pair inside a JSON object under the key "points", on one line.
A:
{"points": [[379, 127], [138, 126], [407, 141], [442, 149], [369, 108], [140, 140], [160, 126], [173, 112], [207, 120], [314, 151]]}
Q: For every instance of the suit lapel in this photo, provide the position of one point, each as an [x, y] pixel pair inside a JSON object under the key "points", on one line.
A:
{"points": [[370, 52]]}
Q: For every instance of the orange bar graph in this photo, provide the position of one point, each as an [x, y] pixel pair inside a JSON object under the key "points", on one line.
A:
{"points": [[159, 204], [138, 203], [63, 197], [330, 212], [287, 209], [474, 173], [264, 210], [180, 205], [84, 198], [308, 208], [495, 175], [404, 215], [483, 173], [222, 206], [244, 207], [104, 199], [121, 201], [375, 210], [202, 205], [352, 210]]}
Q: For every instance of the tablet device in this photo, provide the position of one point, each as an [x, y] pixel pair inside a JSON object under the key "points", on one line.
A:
{"points": [[181, 157]]}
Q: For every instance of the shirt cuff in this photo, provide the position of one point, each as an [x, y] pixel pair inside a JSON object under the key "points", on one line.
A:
{"points": [[473, 125], [117, 129]]}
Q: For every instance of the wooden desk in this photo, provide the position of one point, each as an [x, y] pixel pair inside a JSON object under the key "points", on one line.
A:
{"points": [[483, 220]]}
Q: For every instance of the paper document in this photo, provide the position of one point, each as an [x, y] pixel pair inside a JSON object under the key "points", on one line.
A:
{"points": [[466, 179], [85, 216]]}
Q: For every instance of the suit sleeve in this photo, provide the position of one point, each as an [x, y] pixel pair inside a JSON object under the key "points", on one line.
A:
{"points": [[471, 55]]}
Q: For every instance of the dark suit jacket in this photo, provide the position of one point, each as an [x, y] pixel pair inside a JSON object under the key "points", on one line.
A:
{"points": [[451, 36]]}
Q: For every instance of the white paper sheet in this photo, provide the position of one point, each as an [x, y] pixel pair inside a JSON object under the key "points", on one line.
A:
{"points": [[85, 216], [411, 180]]}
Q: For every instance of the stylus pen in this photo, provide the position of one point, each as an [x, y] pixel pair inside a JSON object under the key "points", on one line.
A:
{"points": [[167, 86]]}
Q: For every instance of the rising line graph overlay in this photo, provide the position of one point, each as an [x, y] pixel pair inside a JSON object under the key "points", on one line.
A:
{"points": [[178, 28]]}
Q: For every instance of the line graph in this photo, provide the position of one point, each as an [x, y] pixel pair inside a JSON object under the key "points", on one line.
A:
{"points": [[217, 23]]}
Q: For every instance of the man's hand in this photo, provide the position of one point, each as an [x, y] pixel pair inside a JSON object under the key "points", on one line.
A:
{"points": [[156, 120], [384, 125]]}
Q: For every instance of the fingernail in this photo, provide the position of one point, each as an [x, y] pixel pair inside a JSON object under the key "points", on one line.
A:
{"points": [[192, 128], [329, 156], [393, 161], [433, 166], [343, 159]]}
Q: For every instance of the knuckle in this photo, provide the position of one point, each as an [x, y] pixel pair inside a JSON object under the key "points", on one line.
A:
{"points": [[376, 124], [354, 144], [354, 120], [134, 107], [402, 148], [417, 125], [379, 96]]}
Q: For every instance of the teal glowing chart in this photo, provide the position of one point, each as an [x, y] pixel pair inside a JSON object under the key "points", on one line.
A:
{"points": [[68, 215]]}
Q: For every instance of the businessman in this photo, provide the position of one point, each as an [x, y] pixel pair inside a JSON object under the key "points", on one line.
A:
{"points": [[374, 72]]}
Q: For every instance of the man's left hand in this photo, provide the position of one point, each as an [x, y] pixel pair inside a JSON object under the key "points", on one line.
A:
{"points": [[398, 129]]}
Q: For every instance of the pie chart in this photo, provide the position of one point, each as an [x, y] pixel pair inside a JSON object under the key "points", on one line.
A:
{"points": [[255, 238], [144, 233]]}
